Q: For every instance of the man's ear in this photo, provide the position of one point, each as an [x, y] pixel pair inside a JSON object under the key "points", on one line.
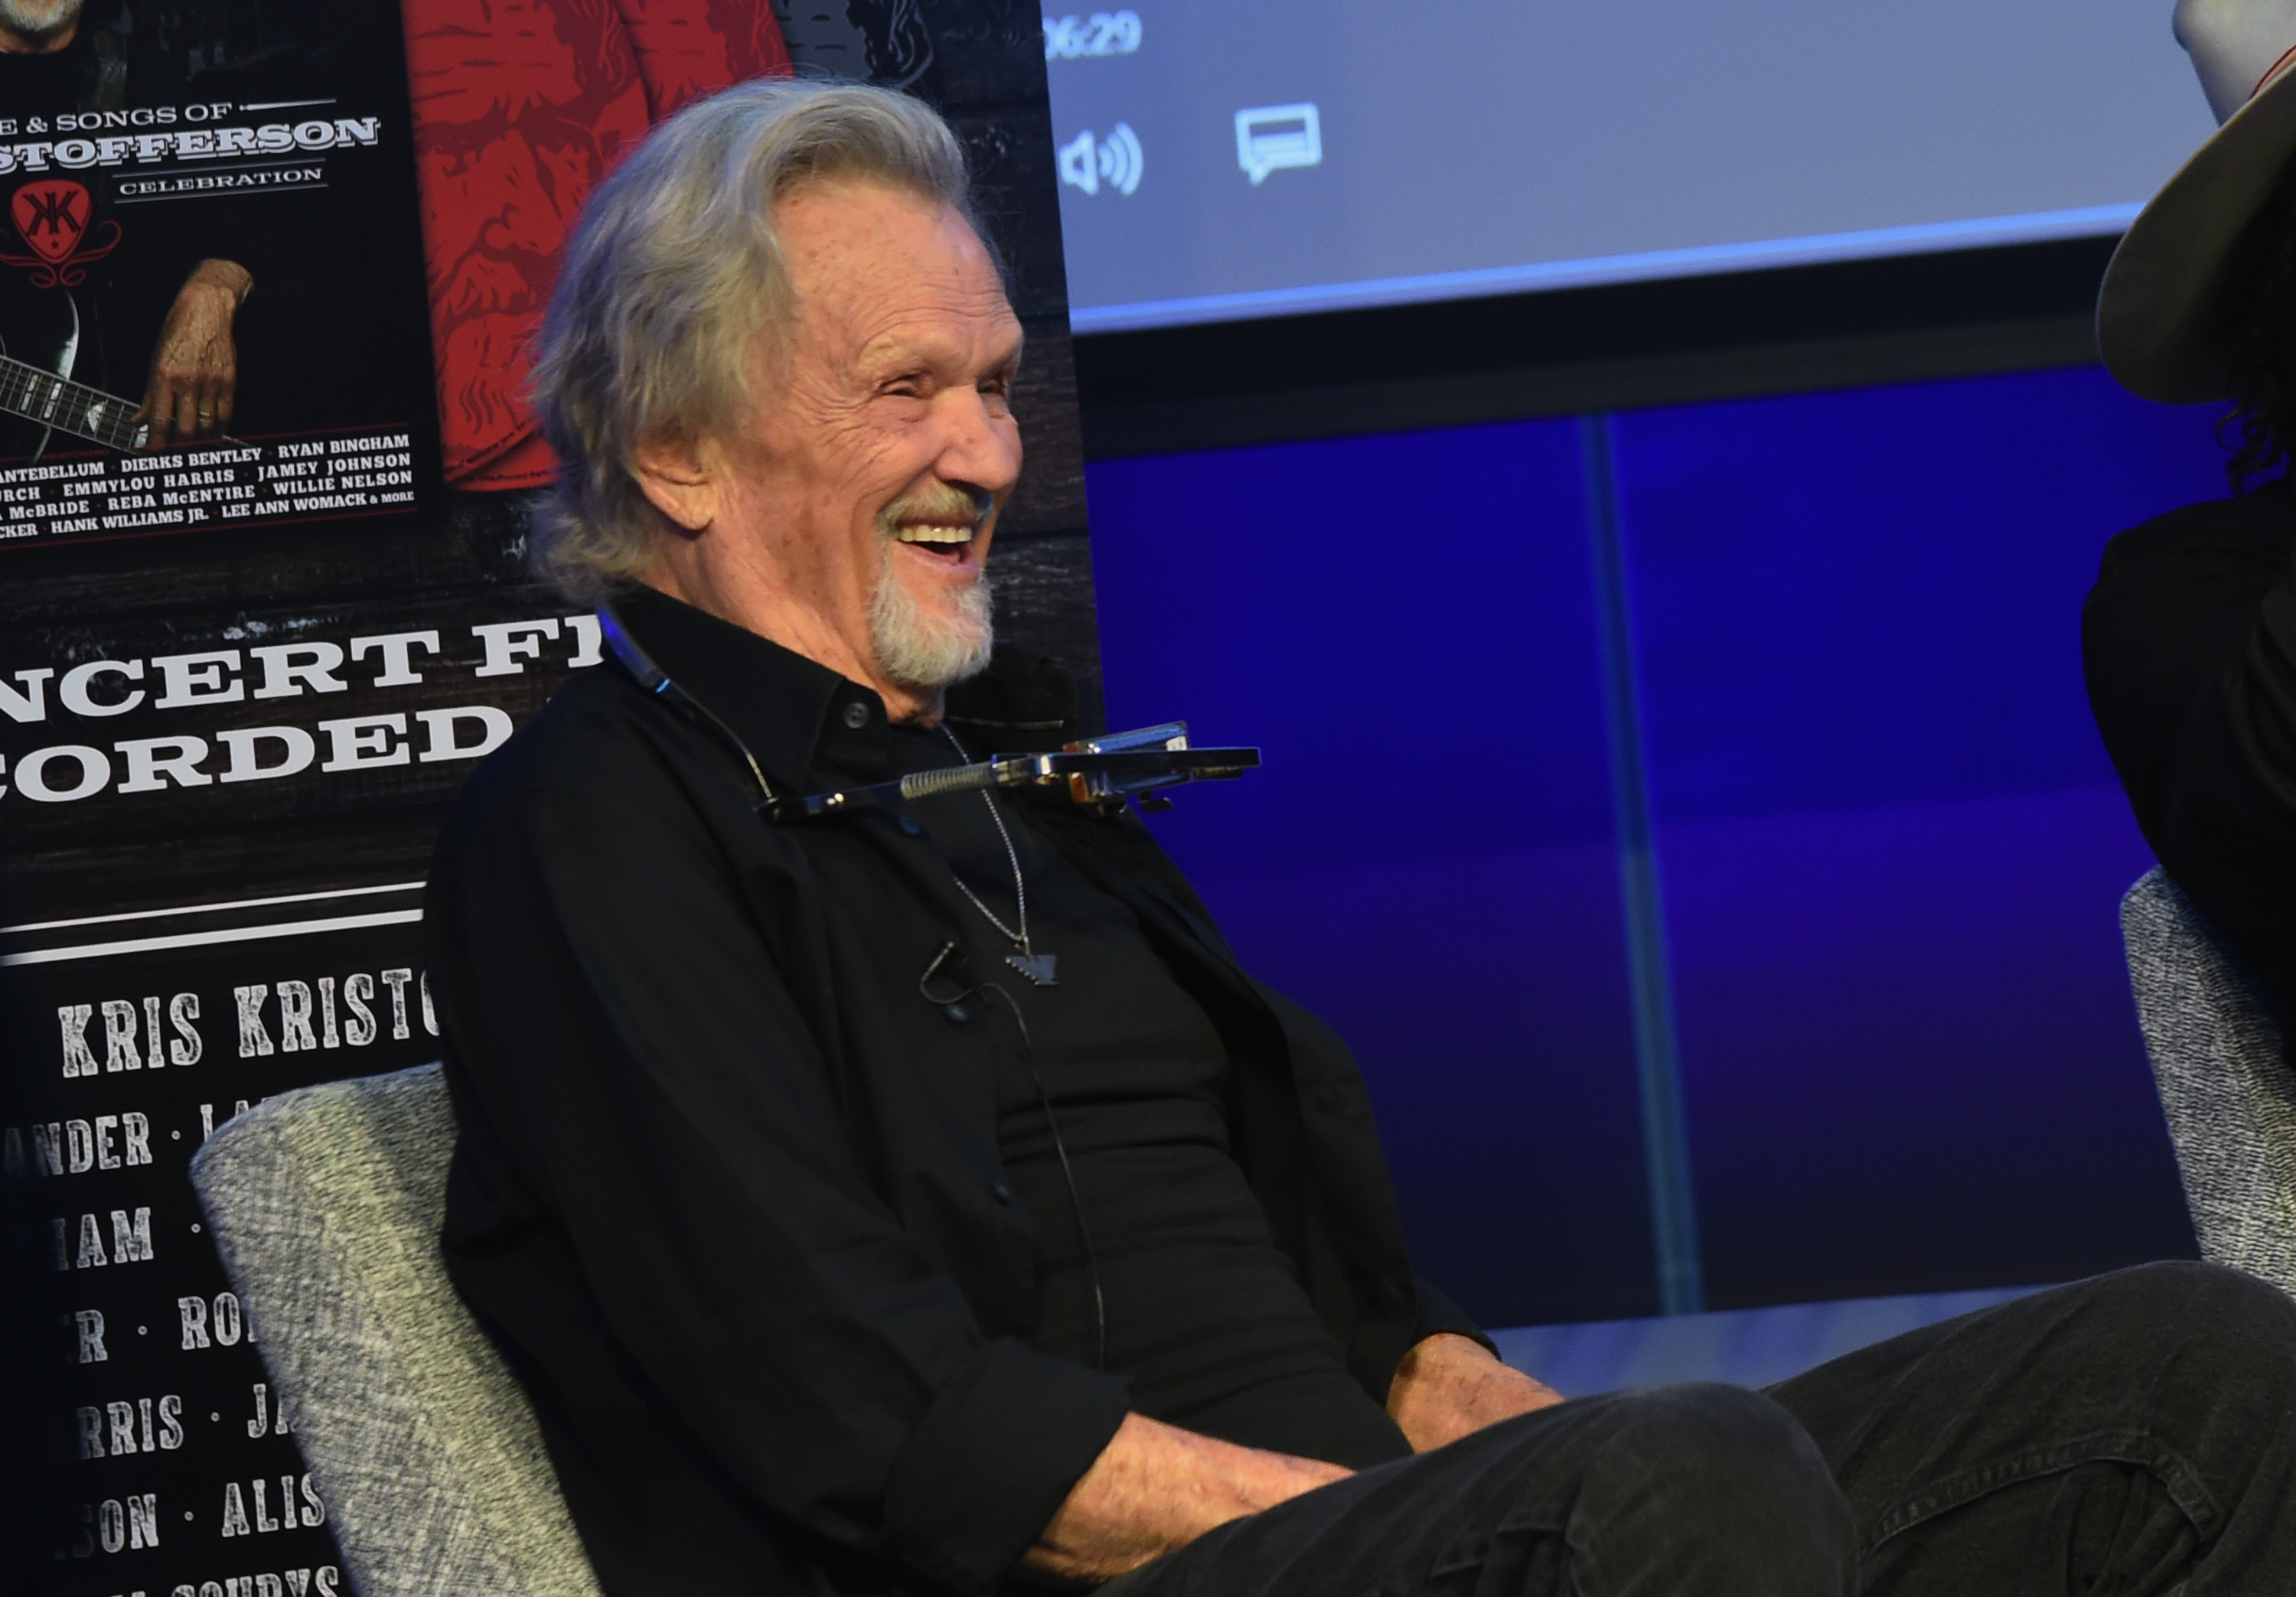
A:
{"points": [[680, 478]]}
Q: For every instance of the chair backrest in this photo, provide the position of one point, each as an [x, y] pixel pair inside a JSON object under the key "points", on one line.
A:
{"points": [[2228, 1091], [325, 1205]]}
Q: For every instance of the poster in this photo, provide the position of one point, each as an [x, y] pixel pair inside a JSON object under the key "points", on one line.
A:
{"points": [[226, 741], [211, 311], [248, 923], [177, 1461]]}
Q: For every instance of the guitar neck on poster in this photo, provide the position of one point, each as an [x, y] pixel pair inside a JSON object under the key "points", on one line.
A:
{"points": [[38, 355], [53, 402]]}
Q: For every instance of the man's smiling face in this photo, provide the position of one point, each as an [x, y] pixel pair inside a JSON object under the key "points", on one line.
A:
{"points": [[865, 481]]}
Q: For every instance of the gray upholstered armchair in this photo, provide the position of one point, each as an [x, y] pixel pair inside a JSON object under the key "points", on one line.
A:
{"points": [[326, 1204], [2229, 1093]]}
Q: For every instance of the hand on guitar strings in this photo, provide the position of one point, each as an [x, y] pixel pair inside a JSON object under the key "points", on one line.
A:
{"points": [[195, 366]]}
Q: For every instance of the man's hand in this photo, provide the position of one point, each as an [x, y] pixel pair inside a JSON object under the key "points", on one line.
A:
{"points": [[1156, 1487], [195, 368], [1448, 1387]]}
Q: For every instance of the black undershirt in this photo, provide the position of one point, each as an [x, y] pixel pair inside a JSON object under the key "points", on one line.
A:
{"points": [[1206, 1318]]}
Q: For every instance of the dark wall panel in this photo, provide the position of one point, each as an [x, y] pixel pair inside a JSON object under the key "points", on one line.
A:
{"points": [[1891, 845], [1404, 623], [1891, 842]]}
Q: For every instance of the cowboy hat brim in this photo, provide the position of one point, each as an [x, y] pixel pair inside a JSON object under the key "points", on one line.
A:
{"points": [[2163, 320]]}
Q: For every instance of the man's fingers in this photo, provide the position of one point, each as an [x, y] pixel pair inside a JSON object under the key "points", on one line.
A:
{"points": [[194, 388], [184, 405], [158, 411], [223, 390], [215, 379]]}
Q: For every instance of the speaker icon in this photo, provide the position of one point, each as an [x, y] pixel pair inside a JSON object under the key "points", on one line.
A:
{"points": [[1086, 162]]}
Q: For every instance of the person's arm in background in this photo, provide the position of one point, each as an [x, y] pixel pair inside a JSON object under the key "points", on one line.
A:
{"points": [[2189, 642], [194, 382]]}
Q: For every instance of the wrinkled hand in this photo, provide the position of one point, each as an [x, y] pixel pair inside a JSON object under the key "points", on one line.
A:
{"points": [[195, 367], [1156, 1487], [1448, 1387]]}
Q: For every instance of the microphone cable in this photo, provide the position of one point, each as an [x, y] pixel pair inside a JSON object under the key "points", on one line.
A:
{"points": [[1053, 1124]]}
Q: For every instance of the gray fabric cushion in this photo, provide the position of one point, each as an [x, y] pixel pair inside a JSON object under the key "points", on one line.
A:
{"points": [[326, 1204], [2229, 1094]]}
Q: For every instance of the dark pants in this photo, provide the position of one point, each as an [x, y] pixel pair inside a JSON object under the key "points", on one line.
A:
{"points": [[2110, 1439]]}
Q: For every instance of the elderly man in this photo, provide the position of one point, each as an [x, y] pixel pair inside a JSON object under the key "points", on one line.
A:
{"points": [[924, 1201]]}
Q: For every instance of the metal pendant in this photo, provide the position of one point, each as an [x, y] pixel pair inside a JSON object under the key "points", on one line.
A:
{"points": [[1038, 968]]}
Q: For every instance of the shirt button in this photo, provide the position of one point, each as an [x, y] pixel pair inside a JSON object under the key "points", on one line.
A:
{"points": [[1000, 1192], [957, 1014], [908, 824], [856, 715]]}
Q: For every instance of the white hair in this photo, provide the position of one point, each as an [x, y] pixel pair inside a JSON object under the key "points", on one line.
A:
{"points": [[672, 275]]}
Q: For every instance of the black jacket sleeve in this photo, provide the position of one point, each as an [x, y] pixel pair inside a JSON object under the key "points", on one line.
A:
{"points": [[618, 1026], [1437, 1315], [2189, 640]]}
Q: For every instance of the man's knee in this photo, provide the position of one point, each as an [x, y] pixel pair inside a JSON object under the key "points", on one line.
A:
{"points": [[1712, 1429], [2176, 1288], [2203, 1311], [1709, 1449], [2202, 1357], [1700, 1486]]}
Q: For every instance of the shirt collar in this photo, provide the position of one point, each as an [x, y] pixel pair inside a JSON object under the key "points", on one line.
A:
{"points": [[796, 715], [809, 727]]}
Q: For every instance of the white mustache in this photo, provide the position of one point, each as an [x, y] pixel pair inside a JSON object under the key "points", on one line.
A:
{"points": [[927, 514]]}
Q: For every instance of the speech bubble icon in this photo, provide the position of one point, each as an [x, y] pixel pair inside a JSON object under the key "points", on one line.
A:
{"points": [[1270, 137]]}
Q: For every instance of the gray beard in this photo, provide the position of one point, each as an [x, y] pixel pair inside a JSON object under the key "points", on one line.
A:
{"points": [[39, 22], [922, 652]]}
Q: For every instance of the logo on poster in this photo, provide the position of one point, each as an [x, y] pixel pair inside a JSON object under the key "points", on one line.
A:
{"points": [[50, 216]]}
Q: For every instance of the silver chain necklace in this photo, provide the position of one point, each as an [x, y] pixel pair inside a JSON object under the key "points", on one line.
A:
{"points": [[1040, 968]]}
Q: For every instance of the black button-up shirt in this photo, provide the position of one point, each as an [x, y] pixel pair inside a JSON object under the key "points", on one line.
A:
{"points": [[729, 1191]]}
